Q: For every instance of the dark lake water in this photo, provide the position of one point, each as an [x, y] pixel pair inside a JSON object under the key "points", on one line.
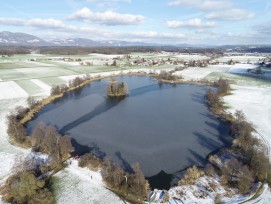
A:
{"points": [[164, 128]]}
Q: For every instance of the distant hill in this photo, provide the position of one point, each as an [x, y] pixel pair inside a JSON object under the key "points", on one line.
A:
{"points": [[84, 42], [21, 39], [9, 39]]}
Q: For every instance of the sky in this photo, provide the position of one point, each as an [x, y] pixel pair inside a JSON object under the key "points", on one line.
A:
{"points": [[204, 22]]}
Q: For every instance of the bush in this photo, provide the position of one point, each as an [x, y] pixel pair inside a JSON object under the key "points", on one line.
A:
{"points": [[20, 187], [168, 76], [20, 112], [209, 170], [42, 196], [76, 81], [47, 140], [223, 86], [58, 89], [128, 184], [16, 131], [214, 101], [192, 174], [90, 161], [260, 165], [235, 173]]}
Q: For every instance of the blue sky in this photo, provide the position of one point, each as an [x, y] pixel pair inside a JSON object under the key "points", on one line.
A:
{"points": [[215, 22]]}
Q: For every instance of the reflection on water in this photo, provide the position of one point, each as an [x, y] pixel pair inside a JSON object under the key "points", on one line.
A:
{"points": [[164, 128]]}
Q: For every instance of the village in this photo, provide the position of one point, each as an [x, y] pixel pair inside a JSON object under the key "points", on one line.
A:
{"points": [[179, 60]]}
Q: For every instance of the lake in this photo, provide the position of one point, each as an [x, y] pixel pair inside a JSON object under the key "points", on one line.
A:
{"points": [[163, 127]]}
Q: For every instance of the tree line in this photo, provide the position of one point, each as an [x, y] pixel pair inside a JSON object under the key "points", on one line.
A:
{"points": [[126, 50], [77, 81], [249, 162]]}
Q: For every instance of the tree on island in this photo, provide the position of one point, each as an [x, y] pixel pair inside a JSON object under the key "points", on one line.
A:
{"points": [[117, 89]]}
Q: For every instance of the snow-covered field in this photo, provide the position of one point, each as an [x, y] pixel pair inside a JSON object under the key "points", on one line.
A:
{"points": [[197, 73], [74, 184]]}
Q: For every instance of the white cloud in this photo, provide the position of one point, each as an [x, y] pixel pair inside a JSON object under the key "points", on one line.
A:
{"points": [[193, 23], [202, 4], [59, 29], [11, 21], [47, 23], [154, 34], [36, 22], [231, 14], [107, 17]]}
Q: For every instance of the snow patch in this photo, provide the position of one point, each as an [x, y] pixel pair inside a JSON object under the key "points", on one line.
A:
{"points": [[10, 90]]}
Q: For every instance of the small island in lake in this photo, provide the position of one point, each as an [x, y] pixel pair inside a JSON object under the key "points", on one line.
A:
{"points": [[117, 89]]}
